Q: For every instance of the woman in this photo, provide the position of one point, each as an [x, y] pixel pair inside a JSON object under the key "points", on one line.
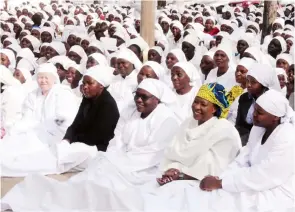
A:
{"points": [[186, 82], [245, 42], [32, 43], [276, 46], [194, 154], [151, 69], [223, 73], [242, 69], [175, 41], [155, 54], [133, 155], [209, 26], [207, 64], [125, 83], [42, 55], [47, 34], [44, 123], [247, 178], [7, 58], [96, 59], [260, 78], [97, 125], [78, 55], [284, 61], [283, 78]]}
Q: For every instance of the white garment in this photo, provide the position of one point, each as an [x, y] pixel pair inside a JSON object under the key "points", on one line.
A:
{"points": [[121, 90], [233, 110], [203, 150], [27, 147], [185, 102], [132, 159], [173, 44], [228, 80]]}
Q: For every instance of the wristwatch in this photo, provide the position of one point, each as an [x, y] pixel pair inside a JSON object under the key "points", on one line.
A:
{"points": [[181, 176]]}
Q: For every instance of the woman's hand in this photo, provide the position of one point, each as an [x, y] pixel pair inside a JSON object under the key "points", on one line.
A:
{"points": [[169, 176], [3, 132], [210, 183]]}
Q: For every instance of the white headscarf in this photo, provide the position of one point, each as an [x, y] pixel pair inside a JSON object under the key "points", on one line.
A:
{"points": [[280, 71], [11, 56], [276, 104], [80, 51], [159, 90], [191, 71], [14, 47], [178, 53], [100, 58], [27, 54], [287, 57], [26, 64], [49, 68], [246, 62], [157, 68], [282, 42], [102, 74], [48, 29], [265, 75], [26, 73], [34, 41], [11, 40], [129, 55], [59, 47]]}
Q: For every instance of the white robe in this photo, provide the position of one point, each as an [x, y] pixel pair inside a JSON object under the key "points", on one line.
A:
{"points": [[228, 80], [173, 44], [30, 146], [132, 159], [233, 110], [121, 90]]}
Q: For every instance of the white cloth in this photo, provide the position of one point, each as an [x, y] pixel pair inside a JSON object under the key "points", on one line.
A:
{"points": [[228, 79], [201, 150], [102, 74], [11, 57]]}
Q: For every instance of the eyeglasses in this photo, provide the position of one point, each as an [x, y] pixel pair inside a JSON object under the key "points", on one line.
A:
{"points": [[143, 97]]}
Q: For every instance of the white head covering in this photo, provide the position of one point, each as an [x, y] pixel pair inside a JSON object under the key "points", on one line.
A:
{"points": [[14, 47], [193, 40], [191, 71], [129, 55], [48, 29], [226, 47], [178, 53], [157, 68], [265, 75], [276, 104], [100, 58], [280, 71], [26, 73], [59, 47], [159, 90], [80, 51], [178, 25], [159, 50], [102, 74], [34, 41], [73, 64], [286, 57], [11, 40], [246, 62], [283, 43], [280, 21], [26, 64], [49, 68], [11, 57], [27, 54]]}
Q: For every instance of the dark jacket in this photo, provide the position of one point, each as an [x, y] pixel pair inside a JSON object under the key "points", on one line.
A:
{"points": [[242, 126], [95, 122]]}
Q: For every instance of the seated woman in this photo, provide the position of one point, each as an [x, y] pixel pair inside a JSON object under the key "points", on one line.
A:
{"points": [[206, 143], [98, 114], [151, 69], [283, 79], [96, 59], [47, 113], [7, 59], [259, 79], [260, 178], [186, 82], [209, 26]]}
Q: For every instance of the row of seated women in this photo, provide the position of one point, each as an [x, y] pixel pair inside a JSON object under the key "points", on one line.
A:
{"points": [[148, 145]]}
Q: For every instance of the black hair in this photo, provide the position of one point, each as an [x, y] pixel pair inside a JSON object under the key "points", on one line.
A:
{"points": [[36, 18]]}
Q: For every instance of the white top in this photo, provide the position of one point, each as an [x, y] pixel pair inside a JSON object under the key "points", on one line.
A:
{"points": [[228, 80]]}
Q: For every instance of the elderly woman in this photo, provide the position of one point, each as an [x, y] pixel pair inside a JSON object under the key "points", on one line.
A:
{"points": [[133, 155], [125, 83], [97, 125], [260, 78], [186, 82], [44, 122]]}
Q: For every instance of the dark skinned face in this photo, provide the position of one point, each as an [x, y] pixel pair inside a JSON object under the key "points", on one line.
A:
{"points": [[46, 37], [221, 59], [203, 110], [153, 55], [179, 79], [28, 26], [75, 57], [165, 26], [261, 118], [209, 25], [91, 62], [72, 40], [36, 34], [282, 64], [171, 60], [274, 48], [91, 50], [290, 74], [189, 50], [242, 46], [50, 53], [276, 26], [254, 87], [226, 15], [206, 65], [91, 88], [124, 67], [218, 39], [146, 72], [25, 43], [85, 44], [241, 75], [145, 102]]}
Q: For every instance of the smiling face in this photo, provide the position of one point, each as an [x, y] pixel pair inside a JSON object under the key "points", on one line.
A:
{"points": [[72, 75], [203, 110], [146, 72], [45, 81], [179, 79], [50, 53], [145, 102], [124, 67]]}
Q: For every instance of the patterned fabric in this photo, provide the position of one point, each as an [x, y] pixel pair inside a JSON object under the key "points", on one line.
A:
{"points": [[216, 94], [235, 92]]}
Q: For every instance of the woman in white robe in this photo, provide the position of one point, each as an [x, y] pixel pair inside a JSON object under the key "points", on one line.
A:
{"points": [[47, 113], [125, 83], [186, 81]]}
